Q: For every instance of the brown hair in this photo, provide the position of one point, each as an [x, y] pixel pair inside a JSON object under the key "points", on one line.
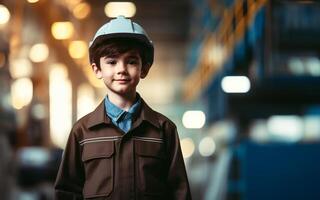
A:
{"points": [[116, 46]]}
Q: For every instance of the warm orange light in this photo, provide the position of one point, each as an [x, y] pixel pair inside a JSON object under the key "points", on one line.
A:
{"points": [[82, 10], [62, 30], [86, 100], [20, 68], [78, 49], [2, 59], [187, 147], [60, 96], [21, 92]]}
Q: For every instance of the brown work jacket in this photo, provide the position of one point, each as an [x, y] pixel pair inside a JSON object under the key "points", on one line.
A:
{"points": [[101, 162]]}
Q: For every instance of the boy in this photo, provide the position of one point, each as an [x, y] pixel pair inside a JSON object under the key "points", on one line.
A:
{"points": [[123, 149]]}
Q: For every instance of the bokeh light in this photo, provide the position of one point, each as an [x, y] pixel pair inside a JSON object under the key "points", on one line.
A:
{"points": [[4, 14], [62, 30], [114, 9], [39, 52]]}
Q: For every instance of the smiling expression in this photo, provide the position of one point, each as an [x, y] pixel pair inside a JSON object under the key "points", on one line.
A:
{"points": [[120, 74]]}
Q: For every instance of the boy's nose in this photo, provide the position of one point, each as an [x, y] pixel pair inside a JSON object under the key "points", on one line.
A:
{"points": [[121, 67]]}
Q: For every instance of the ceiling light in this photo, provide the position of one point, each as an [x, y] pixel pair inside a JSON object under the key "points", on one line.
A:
{"points": [[114, 9], [193, 119], [235, 84], [286, 127]]}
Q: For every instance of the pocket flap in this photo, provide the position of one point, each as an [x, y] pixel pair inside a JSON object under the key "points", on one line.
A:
{"points": [[147, 148], [97, 150]]}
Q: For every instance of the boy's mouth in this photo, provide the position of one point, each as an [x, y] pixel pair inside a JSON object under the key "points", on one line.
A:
{"points": [[122, 80]]}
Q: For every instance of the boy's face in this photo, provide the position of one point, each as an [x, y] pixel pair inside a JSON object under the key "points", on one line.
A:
{"points": [[121, 74]]}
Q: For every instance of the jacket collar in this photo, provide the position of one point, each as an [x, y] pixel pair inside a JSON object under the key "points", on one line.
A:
{"points": [[98, 116], [147, 114]]}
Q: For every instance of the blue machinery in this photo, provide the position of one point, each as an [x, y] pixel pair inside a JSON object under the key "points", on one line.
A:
{"points": [[270, 43]]}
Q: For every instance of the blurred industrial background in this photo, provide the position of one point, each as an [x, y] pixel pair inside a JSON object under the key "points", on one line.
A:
{"points": [[240, 78]]}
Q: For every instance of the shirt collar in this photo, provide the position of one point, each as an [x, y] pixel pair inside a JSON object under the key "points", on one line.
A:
{"points": [[116, 113], [98, 116], [113, 111]]}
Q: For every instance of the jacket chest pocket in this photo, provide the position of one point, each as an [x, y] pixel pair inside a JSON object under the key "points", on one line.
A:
{"points": [[150, 166], [98, 159]]}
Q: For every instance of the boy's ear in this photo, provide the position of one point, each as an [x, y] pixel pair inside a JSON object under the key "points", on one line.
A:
{"points": [[96, 70], [144, 71]]}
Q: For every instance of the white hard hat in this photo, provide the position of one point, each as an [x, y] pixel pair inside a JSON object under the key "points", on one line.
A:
{"points": [[122, 27]]}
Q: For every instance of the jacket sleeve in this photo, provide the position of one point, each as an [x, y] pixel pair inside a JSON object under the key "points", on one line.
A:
{"points": [[70, 178], [177, 175]]}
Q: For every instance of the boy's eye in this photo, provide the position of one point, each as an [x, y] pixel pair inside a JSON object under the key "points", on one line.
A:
{"points": [[111, 62], [133, 62]]}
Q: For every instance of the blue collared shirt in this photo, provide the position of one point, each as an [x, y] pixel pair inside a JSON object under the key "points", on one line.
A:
{"points": [[119, 117]]}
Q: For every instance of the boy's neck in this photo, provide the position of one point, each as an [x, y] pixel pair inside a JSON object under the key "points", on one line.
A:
{"points": [[123, 102]]}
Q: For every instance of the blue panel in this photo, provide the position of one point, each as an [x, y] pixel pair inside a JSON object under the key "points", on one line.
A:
{"points": [[282, 171], [256, 28], [240, 51], [313, 110]]}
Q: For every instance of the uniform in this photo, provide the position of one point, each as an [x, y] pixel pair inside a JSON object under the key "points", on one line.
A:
{"points": [[101, 162]]}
